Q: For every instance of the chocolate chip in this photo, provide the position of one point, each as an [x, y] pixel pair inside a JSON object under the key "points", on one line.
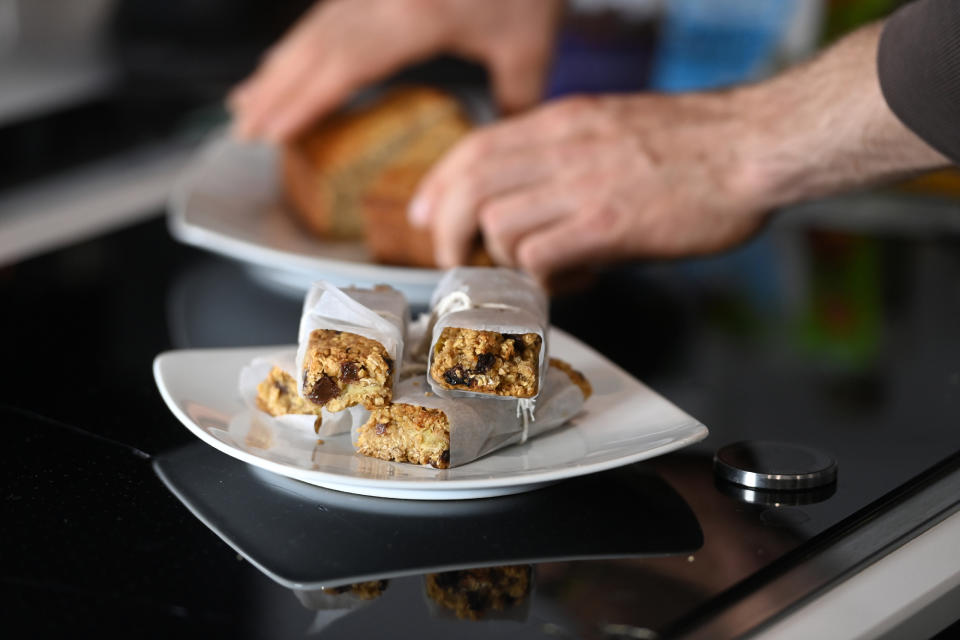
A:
{"points": [[389, 362], [447, 579], [381, 429], [484, 362], [279, 386], [477, 601], [322, 391], [445, 457], [349, 372], [455, 376], [518, 345]]}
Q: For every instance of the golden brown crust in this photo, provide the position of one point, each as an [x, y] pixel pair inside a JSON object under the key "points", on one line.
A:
{"points": [[372, 156], [472, 593], [342, 369], [500, 364], [278, 396], [576, 377], [406, 433], [390, 238]]}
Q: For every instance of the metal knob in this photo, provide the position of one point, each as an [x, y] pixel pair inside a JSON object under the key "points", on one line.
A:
{"points": [[778, 466]]}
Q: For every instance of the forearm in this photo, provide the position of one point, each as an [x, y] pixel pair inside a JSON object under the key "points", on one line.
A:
{"points": [[825, 127]]}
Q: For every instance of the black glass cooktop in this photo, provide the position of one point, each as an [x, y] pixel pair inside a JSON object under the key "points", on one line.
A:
{"points": [[115, 519]]}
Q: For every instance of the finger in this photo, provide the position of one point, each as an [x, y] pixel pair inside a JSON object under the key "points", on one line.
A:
{"points": [[574, 241], [570, 119], [273, 86], [284, 61], [506, 220], [319, 93], [455, 216], [491, 141]]}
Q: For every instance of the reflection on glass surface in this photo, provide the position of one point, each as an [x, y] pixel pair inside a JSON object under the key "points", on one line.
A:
{"points": [[475, 594]]}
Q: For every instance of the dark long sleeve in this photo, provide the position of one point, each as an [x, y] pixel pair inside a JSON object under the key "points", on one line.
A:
{"points": [[919, 66]]}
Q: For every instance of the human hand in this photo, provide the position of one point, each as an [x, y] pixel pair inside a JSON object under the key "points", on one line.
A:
{"points": [[341, 45], [588, 181]]}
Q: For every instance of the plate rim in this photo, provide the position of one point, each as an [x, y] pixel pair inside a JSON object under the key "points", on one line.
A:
{"points": [[202, 236]]}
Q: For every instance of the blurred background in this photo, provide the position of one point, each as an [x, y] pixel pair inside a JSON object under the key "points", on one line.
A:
{"points": [[103, 102]]}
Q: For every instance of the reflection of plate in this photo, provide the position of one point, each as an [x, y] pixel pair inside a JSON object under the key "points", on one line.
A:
{"points": [[306, 537], [229, 202], [622, 422]]}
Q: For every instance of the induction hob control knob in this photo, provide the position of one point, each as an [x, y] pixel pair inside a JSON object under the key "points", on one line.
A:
{"points": [[778, 466]]}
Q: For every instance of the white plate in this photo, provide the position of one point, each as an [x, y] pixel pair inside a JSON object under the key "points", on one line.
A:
{"points": [[622, 422], [229, 201]]}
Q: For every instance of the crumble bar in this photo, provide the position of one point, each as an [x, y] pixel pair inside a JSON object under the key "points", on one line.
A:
{"points": [[344, 369], [402, 432], [502, 364], [472, 593], [278, 396], [575, 376], [407, 433]]}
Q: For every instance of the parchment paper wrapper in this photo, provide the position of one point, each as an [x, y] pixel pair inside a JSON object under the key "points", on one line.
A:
{"points": [[332, 423], [479, 426], [329, 606], [486, 299], [379, 314]]}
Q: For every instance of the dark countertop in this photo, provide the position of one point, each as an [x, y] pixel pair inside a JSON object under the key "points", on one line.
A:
{"points": [[846, 342]]}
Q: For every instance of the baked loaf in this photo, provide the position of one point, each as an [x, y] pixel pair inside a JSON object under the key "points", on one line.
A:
{"points": [[353, 174]]}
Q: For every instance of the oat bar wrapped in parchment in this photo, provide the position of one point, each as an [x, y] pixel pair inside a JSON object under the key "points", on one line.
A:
{"points": [[489, 334], [424, 428], [349, 343], [267, 386]]}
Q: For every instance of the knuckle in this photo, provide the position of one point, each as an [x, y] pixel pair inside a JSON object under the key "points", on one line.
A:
{"points": [[601, 221], [493, 218], [476, 146], [467, 189], [530, 257], [574, 107]]}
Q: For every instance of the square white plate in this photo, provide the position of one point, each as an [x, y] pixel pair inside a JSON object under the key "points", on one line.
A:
{"points": [[622, 422]]}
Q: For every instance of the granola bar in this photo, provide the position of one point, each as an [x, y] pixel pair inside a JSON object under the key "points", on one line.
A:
{"points": [[342, 369], [488, 336], [348, 342], [407, 433], [501, 364], [278, 396], [418, 427], [473, 593], [575, 376]]}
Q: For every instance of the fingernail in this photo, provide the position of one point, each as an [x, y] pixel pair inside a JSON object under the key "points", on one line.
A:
{"points": [[418, 213]]}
